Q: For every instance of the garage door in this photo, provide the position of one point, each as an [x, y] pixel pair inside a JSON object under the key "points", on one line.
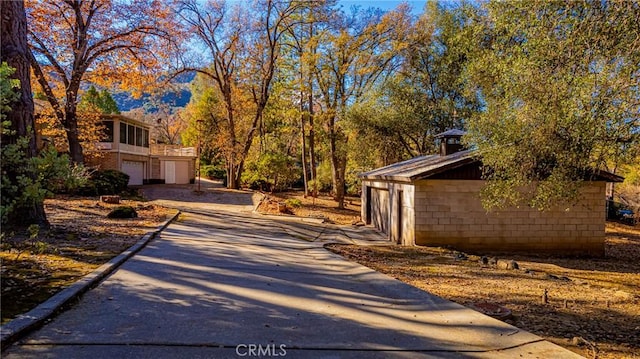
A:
{"points": [[182, 172], [176, 172], [169, 172], [135, 170], [380, 208]]}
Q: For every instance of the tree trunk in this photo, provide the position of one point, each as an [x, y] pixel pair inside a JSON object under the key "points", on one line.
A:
{"points": [[232, 182], [340, 181], [338, 164], [247, 145], [14, 53], [14, 50], [304, 146], [312, 146], [312, 150], [71, 128], [231, 175], [238, 175]]}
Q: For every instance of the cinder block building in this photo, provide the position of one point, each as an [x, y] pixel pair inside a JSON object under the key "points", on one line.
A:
{"points": [[435, 200]]}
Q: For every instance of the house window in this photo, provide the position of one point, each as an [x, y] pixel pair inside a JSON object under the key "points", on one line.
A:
{"points": [[131, 135], [139, 137], [145, 138], [108, 131], [123, 132]]}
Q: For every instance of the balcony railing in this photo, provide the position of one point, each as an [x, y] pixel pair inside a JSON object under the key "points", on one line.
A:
{"points": [[172, 150]]}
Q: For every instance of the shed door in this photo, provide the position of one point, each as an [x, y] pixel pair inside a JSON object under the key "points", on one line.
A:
{"points": [[380, 209], [170, 172], [401, 217], [135, 170]]}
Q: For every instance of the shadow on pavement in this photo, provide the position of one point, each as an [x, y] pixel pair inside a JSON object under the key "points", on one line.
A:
{"points": [[227, 279]]}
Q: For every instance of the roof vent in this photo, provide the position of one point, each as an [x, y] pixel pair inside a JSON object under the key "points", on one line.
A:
{"points": [[450, 142]]}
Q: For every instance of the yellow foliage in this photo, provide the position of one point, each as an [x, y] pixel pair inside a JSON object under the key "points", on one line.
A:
{"points": [[90, 128], [124, 44]]}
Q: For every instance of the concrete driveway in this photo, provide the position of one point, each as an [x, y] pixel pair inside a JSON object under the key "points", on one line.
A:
{"points": [[224, 283]]}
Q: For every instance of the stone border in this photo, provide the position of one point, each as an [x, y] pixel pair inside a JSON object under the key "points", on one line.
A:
{"points": [[36, 317]]}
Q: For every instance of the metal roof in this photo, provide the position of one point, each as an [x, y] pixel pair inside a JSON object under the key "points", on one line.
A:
{"points": [[422, 167], [451, 133]]}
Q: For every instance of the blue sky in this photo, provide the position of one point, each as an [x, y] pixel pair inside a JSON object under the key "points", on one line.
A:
{"points": [[416, 5]]}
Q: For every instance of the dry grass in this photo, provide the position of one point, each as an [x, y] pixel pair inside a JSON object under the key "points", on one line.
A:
{"points": [[80, 239], [595, 299]]}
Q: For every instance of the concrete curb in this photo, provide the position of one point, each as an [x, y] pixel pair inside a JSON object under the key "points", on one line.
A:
{"points": [[264, 196], [290, 217], [36, 317]]}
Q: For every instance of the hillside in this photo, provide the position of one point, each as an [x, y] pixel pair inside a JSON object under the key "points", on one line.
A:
{"points": [[177, 96]]}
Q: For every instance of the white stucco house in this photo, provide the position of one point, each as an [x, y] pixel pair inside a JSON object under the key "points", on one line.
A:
{"points": [[127, 148]]}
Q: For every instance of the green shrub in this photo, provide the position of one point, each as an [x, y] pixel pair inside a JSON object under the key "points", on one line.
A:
{"points": [[105, 182], [271, 171], [353, 183], [214, 172], [324, 179], [58, 175], [293, 203], [258, 184], [26, 181], [39, 247], [21, 187], [123, 212]]}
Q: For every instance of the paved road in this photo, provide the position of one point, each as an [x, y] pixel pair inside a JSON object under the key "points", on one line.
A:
{"points": [[231, 284]]}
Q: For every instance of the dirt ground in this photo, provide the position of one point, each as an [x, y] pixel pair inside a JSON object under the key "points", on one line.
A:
{"points": [[593, 304], [322, 207], [37, 265]]}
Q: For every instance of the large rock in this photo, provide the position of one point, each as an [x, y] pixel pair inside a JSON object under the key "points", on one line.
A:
{"points": [[507, 264], [110, 199], [123, 212]]}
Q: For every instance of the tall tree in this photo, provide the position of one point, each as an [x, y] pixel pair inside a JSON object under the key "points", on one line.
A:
{"points": [[244, 60], [560, 81], [298, 40], [221, 33], [169, 127], [107, 104], [355, 52], [273, 21], [101, 100], [14, 52], [425, 96], [102, 41], [205, 118]]}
